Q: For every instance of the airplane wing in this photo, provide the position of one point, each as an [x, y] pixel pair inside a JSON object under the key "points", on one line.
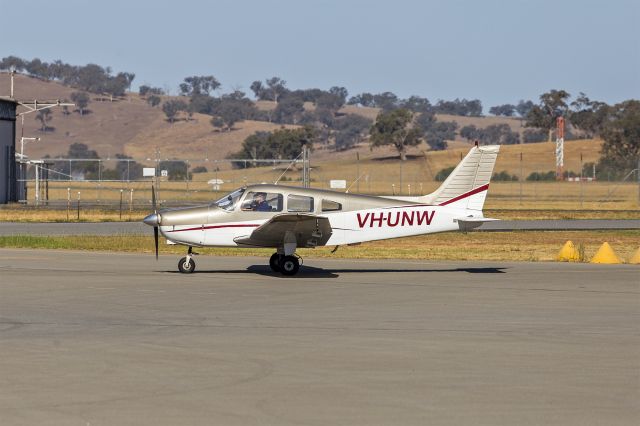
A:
{"points": [[310, 231]]}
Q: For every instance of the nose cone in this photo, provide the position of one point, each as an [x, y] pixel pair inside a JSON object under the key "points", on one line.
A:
{"points": [[152, 219]]}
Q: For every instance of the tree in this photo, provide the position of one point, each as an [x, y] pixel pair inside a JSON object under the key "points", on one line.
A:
{"points": [[341, 93], [154, 100], [416, 104], [289, 110], [171, 109], [12, 62], [281, 144], [44, 117], [363, 99], [350, 130], [438, 134], [462, 107], [176, 169], [621, 134], [386, 100], [553, 104], [81, 99], [231, 109], [127, 169], [471, 132], [435, 132], [258, 90], [534, 135], [589, 116], [199, 85], [88, 169], [500, 134], [330, 101], [276, 87], [395, 128], [506, 110], [524, 107]]}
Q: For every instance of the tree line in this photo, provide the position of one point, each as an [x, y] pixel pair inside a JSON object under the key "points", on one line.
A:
{"points": [[91, 77], [401, 122]]}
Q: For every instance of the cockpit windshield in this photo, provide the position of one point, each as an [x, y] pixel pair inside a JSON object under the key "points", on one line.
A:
{"points": [[228, 202]]}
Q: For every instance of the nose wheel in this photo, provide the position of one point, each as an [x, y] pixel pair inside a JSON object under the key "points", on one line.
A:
{"points": [[187, 265]]}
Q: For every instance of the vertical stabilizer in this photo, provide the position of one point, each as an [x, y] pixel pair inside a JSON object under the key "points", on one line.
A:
{"points": [[467, 185]]}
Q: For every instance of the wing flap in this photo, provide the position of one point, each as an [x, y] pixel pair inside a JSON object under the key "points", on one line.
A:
{"points": [[310, 231]]}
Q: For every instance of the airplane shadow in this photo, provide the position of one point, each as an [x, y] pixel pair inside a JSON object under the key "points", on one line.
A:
{"points": [[314, 272]]}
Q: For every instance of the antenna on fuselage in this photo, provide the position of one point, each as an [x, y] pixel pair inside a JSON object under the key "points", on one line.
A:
{"points": [[287, 169], [354, 182]]}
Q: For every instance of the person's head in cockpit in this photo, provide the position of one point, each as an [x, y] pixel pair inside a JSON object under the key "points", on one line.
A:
{"points": [[260, 202]]}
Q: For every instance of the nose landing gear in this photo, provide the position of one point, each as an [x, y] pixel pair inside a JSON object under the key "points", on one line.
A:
{"points": [[187, 265]]}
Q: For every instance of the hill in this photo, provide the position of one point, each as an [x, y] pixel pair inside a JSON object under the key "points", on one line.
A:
{"points": [[132, 127]]}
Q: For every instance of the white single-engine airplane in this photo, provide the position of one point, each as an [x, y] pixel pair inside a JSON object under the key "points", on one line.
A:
{"points": [[287, 218]]}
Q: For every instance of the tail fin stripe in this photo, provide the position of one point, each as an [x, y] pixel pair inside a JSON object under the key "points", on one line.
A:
{"points": [[466, 194]]}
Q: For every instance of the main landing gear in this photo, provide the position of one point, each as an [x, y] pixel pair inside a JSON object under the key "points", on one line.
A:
{"points": [[187, 265], [286, 265]]}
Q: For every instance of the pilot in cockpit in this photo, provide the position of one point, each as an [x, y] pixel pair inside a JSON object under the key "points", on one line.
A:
{"points": [[259, 203]]}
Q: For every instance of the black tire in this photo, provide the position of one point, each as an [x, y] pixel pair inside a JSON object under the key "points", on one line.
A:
{"points": [[274, 262], [186, 268], [289, 265]]}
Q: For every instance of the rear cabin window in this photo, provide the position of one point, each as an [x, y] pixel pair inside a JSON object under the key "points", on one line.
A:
{"points": [[331, 206], [262, 202], [299, 203]]}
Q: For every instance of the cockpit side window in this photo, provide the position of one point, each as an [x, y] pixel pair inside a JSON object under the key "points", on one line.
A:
{"points": [[299, 203], [262, 202], [229, 201], [330, 206]]}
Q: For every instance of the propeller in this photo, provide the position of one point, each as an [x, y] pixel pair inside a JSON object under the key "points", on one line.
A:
{"points": [[155, 212], [153, 219]]}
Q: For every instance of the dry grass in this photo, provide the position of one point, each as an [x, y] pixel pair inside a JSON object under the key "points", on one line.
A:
{"points": [[508, 246], [56, 215]]}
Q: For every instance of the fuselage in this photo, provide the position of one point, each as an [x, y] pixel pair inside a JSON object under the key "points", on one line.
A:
{"points": [[353, 218]]}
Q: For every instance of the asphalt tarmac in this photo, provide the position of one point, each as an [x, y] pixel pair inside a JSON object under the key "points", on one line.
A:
{"points": [[118, 339]]}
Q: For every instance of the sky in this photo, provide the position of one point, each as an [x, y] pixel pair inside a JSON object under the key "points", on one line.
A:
{"points": [[492, 50]]}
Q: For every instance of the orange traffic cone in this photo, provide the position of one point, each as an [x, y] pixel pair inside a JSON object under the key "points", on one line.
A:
{"points": [[635, 259]]}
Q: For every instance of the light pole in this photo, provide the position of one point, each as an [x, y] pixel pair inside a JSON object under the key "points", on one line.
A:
{"points": [[22, 141]]}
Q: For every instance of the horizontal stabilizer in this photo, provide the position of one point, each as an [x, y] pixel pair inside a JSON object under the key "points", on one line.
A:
{"points": [[469, 223]]}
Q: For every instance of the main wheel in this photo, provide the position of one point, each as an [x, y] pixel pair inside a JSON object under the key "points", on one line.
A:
{"points": [[289, 265], [274, 262], [186, 267]]}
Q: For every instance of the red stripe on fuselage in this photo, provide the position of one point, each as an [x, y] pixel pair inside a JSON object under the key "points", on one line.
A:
{"points": [[216, 227]]}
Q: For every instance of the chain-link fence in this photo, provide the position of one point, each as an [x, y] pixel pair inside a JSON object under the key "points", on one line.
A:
{"points": [[123, 183]]}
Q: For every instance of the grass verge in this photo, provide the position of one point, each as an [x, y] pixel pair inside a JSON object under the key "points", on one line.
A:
{"points": [[506, 246]]}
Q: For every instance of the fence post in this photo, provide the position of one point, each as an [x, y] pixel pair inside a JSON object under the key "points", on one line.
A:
{"points": [[130, 204], [78, 205], [121, 191], [68, 202]]}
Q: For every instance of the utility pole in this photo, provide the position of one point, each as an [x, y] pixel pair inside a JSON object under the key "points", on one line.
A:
{"points": [[559, 148], [521, 178], [358, 172]]}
